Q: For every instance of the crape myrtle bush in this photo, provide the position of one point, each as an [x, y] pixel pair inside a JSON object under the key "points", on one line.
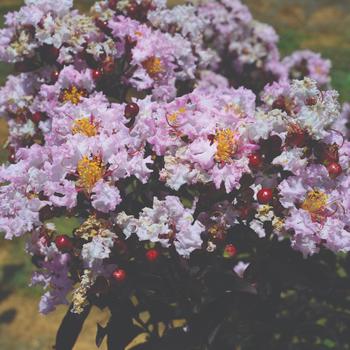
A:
{"points": [[210, 177]]}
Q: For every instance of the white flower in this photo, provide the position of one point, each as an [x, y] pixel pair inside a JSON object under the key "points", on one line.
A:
{"points": [[168, 221]]}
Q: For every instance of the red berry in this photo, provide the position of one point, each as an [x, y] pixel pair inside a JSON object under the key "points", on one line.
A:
{"points": [[334, 169], [265, 196], [255, 160], [152, 255], [131, 110], [12, 155], [96, 74], [132, 10], [112, 4], [103, 25], [230, 251], [12, 158], [63, 243], [54, 76], [37, 117], [119, 275]]}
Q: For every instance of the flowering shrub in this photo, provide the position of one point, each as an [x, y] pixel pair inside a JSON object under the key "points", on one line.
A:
{"points": [[206, 183]]}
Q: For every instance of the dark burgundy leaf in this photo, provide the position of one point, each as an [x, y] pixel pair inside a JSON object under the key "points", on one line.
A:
{"points": [[100, 335], [70, 329]]}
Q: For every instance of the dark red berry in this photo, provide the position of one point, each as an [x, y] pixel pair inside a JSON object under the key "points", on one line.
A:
{"points": [[265, 196], [255, 160], [119, 275], [152, 255], [131, 110], [103, 25], [132, 10], [334, 169], [112, 4], [54, 76], [63, 243], [230, 251], [37, 117], [96, 74], [12, 158], [12, 155]]}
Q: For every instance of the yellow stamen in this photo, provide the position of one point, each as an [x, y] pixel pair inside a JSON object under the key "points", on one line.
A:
{"points": [[90, 228], [264, 210], [172, 118], [315, 201], [278, 223], [85, 127], [226, 145], [216, 230], [73, 94], [153, 66], [90, 171]]}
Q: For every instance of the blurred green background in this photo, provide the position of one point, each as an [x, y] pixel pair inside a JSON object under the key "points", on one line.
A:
{"points": [[319, 25]]}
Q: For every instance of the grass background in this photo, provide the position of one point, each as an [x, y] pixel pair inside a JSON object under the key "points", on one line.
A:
{"points": [[320, 25]]}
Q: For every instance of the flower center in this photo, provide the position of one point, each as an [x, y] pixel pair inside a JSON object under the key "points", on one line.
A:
{"points": [[90, 171], [235, 109], [85, 127], [226, 145], [90, 228], [172, 118], [315, 201], [73, 95], [153, 66]]}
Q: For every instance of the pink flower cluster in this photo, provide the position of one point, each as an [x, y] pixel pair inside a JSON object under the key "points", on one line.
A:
{"points": [[137, 121]]}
